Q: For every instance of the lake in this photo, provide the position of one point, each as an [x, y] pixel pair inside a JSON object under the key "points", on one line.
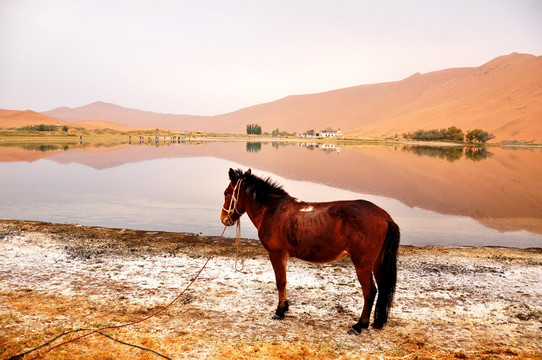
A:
{"points": [[450, 196]]}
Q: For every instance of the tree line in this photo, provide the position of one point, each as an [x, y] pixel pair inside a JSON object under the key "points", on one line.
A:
{"points": [[43, 127], [254, 129], [452, 134]]}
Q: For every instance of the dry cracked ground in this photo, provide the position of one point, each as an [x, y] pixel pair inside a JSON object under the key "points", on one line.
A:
{"points": [[451, 303]]}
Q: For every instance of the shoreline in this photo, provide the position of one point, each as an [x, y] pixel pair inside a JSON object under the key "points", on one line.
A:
{"points": [[248, 138], [451, 303], [40, 225]]}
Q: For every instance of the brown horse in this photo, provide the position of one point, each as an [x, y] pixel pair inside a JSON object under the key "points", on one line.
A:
{"points": [[319, 233]]}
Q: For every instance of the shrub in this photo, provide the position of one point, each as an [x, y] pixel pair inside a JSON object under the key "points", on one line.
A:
{"points": [[41, 127], [479, 136], [429, 135], [454, 134]]}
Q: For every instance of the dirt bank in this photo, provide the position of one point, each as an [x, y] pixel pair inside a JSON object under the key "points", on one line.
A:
{"points": [[450, 303]]}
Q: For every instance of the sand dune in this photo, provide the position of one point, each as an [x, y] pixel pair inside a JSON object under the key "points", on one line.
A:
{"points": [[129, 117], [502, 97], [17, 119]]}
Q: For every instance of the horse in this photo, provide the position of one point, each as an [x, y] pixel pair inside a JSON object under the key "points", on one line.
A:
{"points": [[319, 232]]}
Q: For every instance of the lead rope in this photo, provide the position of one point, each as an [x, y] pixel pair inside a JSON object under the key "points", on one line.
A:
{"points": [[100, 330], [239, 247]]}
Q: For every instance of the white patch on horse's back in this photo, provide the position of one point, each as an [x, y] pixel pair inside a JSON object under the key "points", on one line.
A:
{"points": [[307, 209], [297, 200]]}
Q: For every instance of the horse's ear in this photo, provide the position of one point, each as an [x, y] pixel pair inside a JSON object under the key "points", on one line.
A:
{"points": [[249, 171], [231, 173]]}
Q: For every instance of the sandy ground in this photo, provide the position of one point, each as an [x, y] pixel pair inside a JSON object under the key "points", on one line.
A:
{"points": [[450, 303]]}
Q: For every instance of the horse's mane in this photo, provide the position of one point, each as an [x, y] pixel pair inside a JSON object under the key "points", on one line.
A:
{"points": [[261, 189]]}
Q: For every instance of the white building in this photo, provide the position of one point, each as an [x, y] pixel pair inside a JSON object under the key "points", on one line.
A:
{"points": [[329, 133]]}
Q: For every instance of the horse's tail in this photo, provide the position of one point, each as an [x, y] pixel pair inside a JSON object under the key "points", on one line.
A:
{"points": [[388, 275]]}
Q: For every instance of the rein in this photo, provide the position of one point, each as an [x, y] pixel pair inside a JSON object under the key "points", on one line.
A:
{"points": [[239, 247]]}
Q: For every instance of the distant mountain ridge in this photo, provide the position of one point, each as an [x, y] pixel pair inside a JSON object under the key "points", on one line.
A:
{"points": [[503, 96], [18, 119], [100, 110]]}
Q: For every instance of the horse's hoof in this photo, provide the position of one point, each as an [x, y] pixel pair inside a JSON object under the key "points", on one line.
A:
{"points": [[286, 305], [281, 310], [353, 331], [378, 325]]}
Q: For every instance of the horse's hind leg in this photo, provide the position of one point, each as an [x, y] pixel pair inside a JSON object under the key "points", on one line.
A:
{"points": [[365, 277], [377, 272], [279, 261]]}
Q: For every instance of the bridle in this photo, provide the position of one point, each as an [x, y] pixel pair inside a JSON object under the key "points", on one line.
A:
{"points": [[233, 208], [234, 199]]}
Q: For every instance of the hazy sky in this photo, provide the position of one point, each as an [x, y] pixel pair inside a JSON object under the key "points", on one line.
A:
{"points": [[211, 57]]}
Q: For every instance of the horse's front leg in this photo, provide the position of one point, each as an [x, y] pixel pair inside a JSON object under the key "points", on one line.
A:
{"points": [[279, 261]]}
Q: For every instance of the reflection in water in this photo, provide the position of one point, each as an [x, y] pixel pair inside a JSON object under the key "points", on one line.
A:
{"points": [[61, 146], [45, 147], [81, 144], [254, 146], [449, 153], [34, 146], [477, 153], [492, 202], [279, 144], [330, 147]]}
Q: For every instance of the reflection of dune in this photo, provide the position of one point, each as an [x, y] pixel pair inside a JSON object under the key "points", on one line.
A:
{"points": [[513, 224], [32, 151], [11, 154], [501, 191], [504, 187]]}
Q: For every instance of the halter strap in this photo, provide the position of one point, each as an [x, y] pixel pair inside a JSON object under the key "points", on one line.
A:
{"points": [[234, 199]]}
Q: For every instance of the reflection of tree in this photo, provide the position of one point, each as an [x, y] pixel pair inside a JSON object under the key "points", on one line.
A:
{"points": [[310, 146], [449, 153], [43, 148], [254, 146], [477, 153], [40, 147], [278, 144]]}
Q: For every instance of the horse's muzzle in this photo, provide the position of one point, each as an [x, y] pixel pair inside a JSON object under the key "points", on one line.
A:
{"points": [[226, 220]]}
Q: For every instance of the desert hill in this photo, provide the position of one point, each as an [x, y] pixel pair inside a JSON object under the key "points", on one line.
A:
{"points": [[18, 119], [130, 117], [502, 96]]}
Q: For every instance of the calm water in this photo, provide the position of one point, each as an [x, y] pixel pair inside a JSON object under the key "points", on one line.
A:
{"points": [[438, 196]]}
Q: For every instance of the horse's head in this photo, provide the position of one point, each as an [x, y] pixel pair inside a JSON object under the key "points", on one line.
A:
{"points": [[234, 205]]}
